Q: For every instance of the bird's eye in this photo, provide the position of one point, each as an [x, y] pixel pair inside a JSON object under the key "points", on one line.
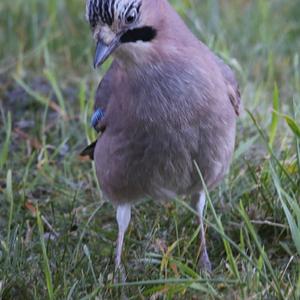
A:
{"points": [[131, 16]]}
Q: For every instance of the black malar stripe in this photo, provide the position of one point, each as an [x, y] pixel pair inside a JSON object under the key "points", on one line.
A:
{"points": [[144, 34]]}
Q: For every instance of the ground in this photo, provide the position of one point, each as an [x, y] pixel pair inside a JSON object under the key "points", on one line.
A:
{"points": [[57, 235]]}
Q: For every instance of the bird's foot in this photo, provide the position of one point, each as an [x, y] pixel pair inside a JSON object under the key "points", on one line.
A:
{"points": [[204, 262], [120, 275], [119, 279]]}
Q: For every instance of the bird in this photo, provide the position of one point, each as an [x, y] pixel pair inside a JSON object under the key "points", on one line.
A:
{"points": [[165, 110]]}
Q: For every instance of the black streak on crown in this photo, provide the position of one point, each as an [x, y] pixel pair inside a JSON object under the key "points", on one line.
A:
{"points": [[104, 11], [144, 34], [101, 10]]}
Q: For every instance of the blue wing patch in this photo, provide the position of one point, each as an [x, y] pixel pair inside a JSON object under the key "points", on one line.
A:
{"points": [[97, 117]]}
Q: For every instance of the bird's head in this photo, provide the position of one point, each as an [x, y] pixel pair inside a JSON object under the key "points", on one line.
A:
{"points": [[116, 24]]}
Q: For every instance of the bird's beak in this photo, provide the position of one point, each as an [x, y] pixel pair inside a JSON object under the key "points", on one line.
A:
{"points": [[103, 51]]}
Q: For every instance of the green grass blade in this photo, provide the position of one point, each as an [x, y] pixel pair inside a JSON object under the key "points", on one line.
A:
{"points": [[294, 204], [295, 230], [262, 252], [10, 198], [297, 293], [88, 255], [45, 263], [294, 227], [40, 98], [275, 118], [227, 246], [76, 251], [53, 81], [261, 132], [6, 144], [293, 125]]}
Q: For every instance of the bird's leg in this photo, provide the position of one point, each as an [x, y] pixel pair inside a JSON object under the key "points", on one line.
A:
{"points": [[123, 219], [205, 263]]}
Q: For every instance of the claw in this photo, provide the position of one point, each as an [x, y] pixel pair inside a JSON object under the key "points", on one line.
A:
{"points": [[204, 263]]}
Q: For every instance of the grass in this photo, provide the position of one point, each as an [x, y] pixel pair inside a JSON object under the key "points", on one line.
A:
{"points": [[57, 236]]}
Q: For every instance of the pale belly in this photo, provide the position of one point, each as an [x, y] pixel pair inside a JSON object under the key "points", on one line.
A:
{"points": [[159, 164]]}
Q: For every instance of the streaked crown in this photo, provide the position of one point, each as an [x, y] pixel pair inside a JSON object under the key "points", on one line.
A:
{"points": [[108, 11]]}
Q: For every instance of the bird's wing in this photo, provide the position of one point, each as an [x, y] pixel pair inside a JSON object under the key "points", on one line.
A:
{"points": [[232, 85], [105, 88], [103, 94], [89, 151], [102, 97]]}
